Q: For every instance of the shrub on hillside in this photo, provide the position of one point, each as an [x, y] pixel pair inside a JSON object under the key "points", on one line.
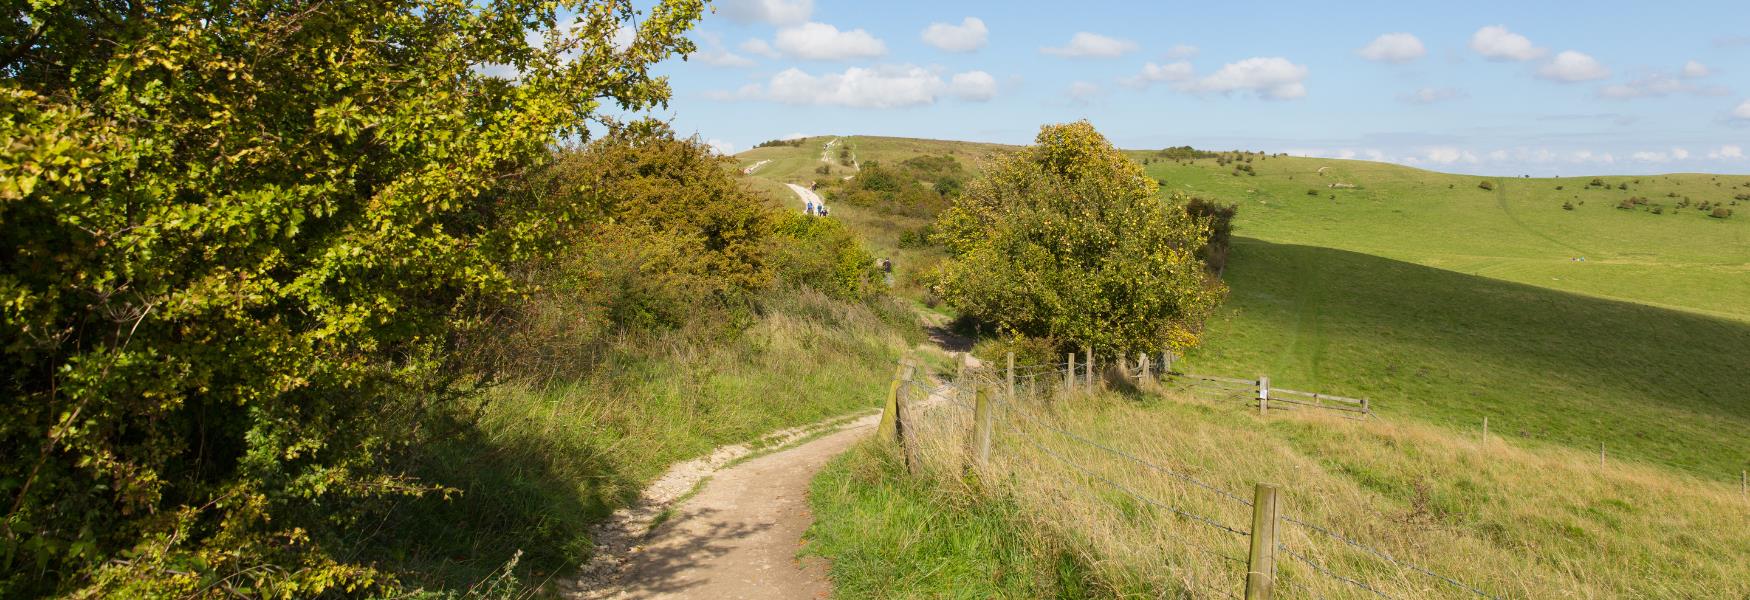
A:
{"points": [[1218, 220], [1104, 262], [1721, 213], [1487, 185], [1567, 206]]}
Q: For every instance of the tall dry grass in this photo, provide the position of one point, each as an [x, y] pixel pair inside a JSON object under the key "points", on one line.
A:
{"points": [[1505, 519]]}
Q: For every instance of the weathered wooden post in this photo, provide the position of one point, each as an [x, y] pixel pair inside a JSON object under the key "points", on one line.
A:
{"points": [[1011, 378], [1261, 567], [1142, 361], [981, 428], [1090, 361], [1263, 394], [1744, 484], [1069, 376], [1601, 455], [1485, 431], [888, 428]]}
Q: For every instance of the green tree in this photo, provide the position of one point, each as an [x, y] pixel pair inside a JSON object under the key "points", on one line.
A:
{"points": [[239, 240], [1067, 240]]}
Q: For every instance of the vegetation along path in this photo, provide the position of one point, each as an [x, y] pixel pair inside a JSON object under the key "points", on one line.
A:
{"points": [[725, 526]]}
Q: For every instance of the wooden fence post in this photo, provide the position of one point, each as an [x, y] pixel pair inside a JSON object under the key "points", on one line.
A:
{"points": [[981, 428], [1142, 360], [1166, 363], [888, 428], [1261, 567], [1485, 431], [1069, 376], [1090, 361], [1744, 484], [1011, 377], [1601, 455], [1263, 394]]}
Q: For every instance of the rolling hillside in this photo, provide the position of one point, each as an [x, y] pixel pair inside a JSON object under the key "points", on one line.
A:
{"points": [[1447, 302]]}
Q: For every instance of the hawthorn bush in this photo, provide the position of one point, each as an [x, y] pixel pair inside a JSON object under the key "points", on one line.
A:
{"points": [[1068, 241], [241, 243]]}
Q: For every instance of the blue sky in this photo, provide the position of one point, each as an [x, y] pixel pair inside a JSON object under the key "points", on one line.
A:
{"points": [[1476, 87]]}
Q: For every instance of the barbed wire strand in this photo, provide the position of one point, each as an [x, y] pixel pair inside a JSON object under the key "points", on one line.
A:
{"points": [[1387, 557], [1121, 487], [1135, 459], [1329, 573]]}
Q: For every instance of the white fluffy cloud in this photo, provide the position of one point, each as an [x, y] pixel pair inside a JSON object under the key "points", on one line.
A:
{"points": [[1659, 84], [821, 41], [1694, 70], [759, 47], [712, 52], [1570, 66], [1727, 151], [1181, 51], [1431, 95], [976, 86], [1152, 73], [1273, 78], [1393, 47], [1743, 111], [969, 35], [1092, 45], [1497, 43], [857, 87], [775, 12]]}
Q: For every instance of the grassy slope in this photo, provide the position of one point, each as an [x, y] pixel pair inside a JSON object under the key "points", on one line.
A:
{"points": [[1486, 516], [547, 461], [880, 231], [1447, 302]]}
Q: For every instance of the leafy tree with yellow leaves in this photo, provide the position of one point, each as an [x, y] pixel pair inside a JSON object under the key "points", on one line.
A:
{"points": [[1067, 240]]}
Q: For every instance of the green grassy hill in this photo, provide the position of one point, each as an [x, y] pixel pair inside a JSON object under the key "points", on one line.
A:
{"points": [[1446, 302]]}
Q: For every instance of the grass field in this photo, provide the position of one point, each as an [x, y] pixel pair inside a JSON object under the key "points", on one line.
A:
{"points": [[1483, 516]]}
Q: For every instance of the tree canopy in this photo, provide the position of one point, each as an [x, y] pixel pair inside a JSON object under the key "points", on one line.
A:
{"points": [[1068, 240], [239, 238]]}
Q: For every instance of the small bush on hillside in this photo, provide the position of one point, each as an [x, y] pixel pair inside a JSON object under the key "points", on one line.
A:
{"points": [[1312, 192], [1622, 186], [1558, 188], [1567, 206], [1721, 213], [823, 169], [1487, 185], [1626, 204], [1658, 210], [1596, 182]]}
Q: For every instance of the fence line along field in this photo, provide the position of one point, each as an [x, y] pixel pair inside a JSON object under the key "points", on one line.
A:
{"points": [[1152, 495]]}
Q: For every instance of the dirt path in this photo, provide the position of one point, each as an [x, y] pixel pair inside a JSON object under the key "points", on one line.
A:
{"points": [[807, 195], [737, 538]]}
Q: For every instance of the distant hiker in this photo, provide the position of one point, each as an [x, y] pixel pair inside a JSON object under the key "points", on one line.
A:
{"points": [[809, 207], [824, 211]]}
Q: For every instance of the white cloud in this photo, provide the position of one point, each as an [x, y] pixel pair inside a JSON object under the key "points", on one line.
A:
{"points": [[712, 53], [1092, 45], [858, 87], [1180, 51], [1274, 78], [759, 47], [1679, 153], [1431, 95], [1727, 151], [1446, 155], [1694, 70], [1153, 73], [1570, 66], [1394, 47], [1658, 84], [821, 41], [969, 35], [977, 86], [1082, 91], [775, 12], [1497, 43], [722, 147], [1743, 111], [1652, 157]]}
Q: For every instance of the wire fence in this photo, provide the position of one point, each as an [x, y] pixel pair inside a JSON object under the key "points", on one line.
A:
{"points": [[1005, 401]]}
